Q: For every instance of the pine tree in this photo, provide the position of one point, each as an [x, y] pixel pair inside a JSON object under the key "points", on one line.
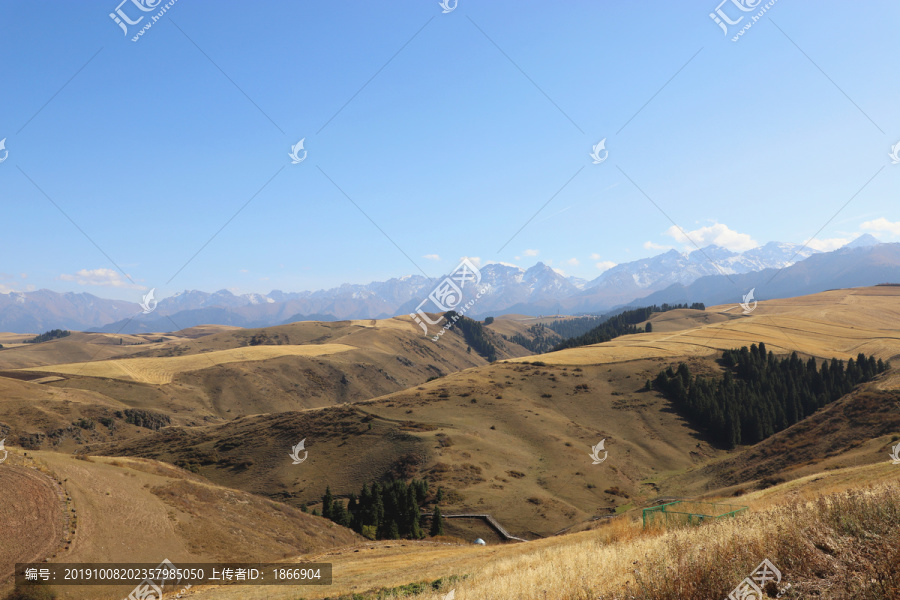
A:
{"points": [[759, 394], [327, 502], [437, 522], [339, 513]]}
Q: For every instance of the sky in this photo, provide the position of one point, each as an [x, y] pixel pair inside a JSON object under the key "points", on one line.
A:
{"points": [[429, 136]]}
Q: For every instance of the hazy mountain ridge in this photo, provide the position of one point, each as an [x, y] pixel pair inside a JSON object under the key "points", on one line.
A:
{"points": [[667, 277]]}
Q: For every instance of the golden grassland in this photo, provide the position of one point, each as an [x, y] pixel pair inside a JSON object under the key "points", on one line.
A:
{"points": [[840, 323], [504, 436], [163, 370], [143, 511], [830, 534]]}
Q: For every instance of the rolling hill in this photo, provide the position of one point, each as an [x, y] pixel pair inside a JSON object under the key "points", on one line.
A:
{"points": [[215, 373], [170, 514], [512, 438]]}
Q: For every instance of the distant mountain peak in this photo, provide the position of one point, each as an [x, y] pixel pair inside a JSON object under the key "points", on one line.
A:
{"points": [[863, 241]]}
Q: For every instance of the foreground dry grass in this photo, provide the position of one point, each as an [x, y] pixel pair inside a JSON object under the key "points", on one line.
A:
{"points": [[839, 546], [163, 370], [833, 535]]}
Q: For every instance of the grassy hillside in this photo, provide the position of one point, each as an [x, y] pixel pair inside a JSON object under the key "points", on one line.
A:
{"points": [[839, 323], [158, 511], [207, 374], [511, 439], [832, 536], [163, 370]]}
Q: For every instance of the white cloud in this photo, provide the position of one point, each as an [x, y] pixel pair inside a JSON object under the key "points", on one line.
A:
{"points": [[882, 224], [102, 277], [572, 261], [5, 289], [432, 257], [605, 265], [595, 256], [475, 260], [531, 252], [829, 244], [717, 234], [652, 246]]}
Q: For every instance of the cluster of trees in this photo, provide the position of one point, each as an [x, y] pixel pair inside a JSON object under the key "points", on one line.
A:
{"points": [[759, 394], [569, 328], [623, 323], [388, 511], [540, 341], [474, 334], [573, 328], [48, 335]]}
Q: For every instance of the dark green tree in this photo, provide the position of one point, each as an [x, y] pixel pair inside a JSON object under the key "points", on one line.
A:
{"points": [[327, 503], [437, 522]]}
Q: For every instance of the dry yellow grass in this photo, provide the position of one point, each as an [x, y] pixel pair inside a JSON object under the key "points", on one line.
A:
{"points": [[840, 323], [602, 562], [142, 511], [163, 370]]}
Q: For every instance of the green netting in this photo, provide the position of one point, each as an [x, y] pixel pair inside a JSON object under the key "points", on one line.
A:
{"points": [[685, 512]]}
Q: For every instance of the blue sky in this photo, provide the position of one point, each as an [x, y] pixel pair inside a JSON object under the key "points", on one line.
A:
{"points": [[430, 135]]}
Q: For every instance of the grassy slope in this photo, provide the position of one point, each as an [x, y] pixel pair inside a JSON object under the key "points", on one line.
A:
{"points": [[531, 470], [384, 356], [707, 561], [513, 438], [132, 510], [840, 323]]}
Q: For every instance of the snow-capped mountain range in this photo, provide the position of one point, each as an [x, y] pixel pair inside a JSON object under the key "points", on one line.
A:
{"points": [[539, 289]]}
